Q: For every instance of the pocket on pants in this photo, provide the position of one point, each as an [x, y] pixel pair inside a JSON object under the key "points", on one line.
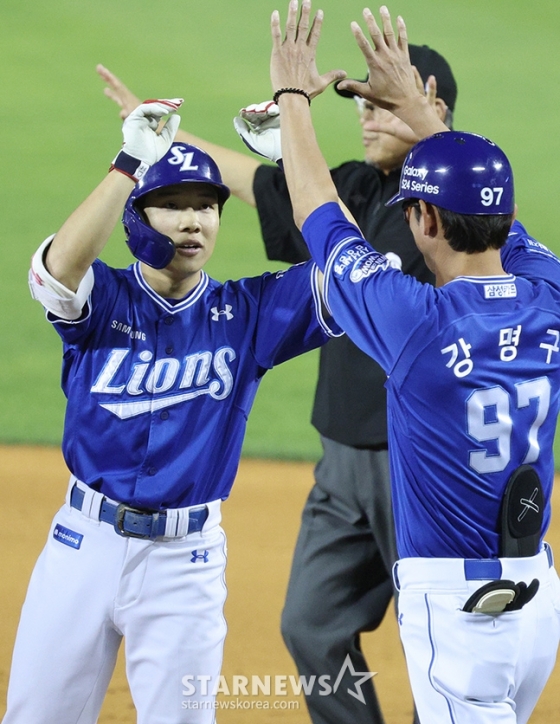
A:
{"points": [[476, 653]]}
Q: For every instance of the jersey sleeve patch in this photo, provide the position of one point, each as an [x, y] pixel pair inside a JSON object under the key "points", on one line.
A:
{"points": [[358, 262]]}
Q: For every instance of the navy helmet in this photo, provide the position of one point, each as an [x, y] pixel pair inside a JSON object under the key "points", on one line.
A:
{"points": [[181, 164], [461, 172]]}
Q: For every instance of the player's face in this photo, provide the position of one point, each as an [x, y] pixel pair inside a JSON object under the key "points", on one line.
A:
{"points": [[188, 214], [387, 151]]}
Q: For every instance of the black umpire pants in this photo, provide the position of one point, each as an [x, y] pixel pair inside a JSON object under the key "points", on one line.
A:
{"points": [[340, 583]]}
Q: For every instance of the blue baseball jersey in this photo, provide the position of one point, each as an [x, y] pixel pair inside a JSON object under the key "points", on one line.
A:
{"points": [[159, 390], [473, 379]]}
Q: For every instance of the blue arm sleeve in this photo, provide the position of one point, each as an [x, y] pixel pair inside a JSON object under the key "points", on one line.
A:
{"points": [[525, 257], [290, 318], [378, 306]]}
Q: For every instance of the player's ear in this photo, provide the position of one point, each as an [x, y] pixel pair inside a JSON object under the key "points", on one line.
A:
{"points": [[430, 220]]}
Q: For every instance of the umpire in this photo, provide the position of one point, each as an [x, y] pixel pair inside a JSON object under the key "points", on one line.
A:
{"points": [[340, 583]]}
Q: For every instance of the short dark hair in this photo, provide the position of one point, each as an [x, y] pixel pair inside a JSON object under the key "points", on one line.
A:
{"points": [[475, 233]]}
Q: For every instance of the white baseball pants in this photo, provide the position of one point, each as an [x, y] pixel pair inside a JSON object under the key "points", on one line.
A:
{"points": [[164, 597], [474, 668]]}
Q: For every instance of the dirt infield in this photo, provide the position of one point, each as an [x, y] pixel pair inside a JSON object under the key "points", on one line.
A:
{"points": [[261, 519]]}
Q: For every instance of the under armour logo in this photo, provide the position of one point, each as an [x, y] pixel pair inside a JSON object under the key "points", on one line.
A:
{"points": [[226, 310], [196, 556], [528, 504]]}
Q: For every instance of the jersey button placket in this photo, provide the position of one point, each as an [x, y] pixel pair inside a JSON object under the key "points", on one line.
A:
{"points": [[169, 349]]}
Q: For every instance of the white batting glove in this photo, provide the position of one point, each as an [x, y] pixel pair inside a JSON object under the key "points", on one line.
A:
{"points": [[259, 128], [143, 146]]}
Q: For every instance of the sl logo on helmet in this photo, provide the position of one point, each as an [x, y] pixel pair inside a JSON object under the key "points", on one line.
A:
{"points": [[180, 157]]}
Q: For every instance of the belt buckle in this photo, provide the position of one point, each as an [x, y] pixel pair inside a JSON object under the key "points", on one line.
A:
{"points": [[122, 509]]}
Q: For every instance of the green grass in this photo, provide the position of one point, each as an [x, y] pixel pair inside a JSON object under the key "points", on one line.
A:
{"points": [[60, 134]]}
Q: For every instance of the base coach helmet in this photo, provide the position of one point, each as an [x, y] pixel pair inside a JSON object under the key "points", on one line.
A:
{"points": [[461, 172], [181, 164]]}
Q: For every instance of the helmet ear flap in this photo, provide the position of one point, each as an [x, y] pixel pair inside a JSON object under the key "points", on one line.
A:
{"points": [[145, 243]]}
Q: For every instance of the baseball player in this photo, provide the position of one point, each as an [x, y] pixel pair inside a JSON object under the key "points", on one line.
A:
{"points": [[473, 379], [161, 365], [340, 582]]}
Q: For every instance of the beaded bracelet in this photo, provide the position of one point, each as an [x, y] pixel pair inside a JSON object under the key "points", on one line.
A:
{"points": [[291, 90]]}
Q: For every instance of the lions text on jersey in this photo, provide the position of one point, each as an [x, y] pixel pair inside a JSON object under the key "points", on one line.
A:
{"points": [[159, 390]]}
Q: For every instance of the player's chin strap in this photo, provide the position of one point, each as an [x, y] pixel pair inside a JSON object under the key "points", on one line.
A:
{"points": [[521, 519]]}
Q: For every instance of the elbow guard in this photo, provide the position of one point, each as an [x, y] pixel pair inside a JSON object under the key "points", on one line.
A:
{"points": [[54, 296]]}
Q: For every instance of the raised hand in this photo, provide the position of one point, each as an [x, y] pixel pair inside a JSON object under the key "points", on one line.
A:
{"points": [[118, 92], [143, 145], [391, 79], [292, 64], [394, 126], [392, 83], [258, 125]]}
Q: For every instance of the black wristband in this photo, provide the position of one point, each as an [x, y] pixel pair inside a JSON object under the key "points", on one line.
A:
{"points": [[129, 165], [299, 91]]}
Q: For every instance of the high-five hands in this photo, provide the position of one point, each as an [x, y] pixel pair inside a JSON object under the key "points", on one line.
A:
{"points": [[391, 80], [292, 64]]}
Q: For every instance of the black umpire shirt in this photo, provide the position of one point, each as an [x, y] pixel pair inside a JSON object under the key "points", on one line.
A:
{"points": [[350, 399]]}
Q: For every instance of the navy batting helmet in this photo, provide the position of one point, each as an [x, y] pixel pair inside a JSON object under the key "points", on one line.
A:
{"points": [[461, 172], [181, 164]]}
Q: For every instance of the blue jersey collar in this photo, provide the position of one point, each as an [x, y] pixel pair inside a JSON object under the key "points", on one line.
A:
{"points": [[172, 308]]}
